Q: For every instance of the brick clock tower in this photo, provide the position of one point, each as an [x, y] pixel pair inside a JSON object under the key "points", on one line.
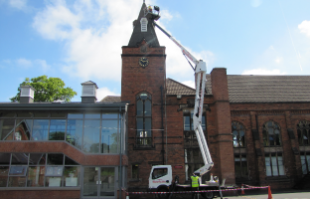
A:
{"points": [[143, 86]]}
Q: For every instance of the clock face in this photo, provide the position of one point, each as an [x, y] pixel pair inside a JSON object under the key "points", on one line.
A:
{"points": [[143, 61]]}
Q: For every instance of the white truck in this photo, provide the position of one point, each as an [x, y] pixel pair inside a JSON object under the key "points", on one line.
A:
{"points": [[160, 178]]}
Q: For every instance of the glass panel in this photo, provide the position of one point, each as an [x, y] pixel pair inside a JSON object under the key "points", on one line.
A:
{"points": [[268, 166], [23, 129], [40, 130], [54, 171], [53, 181], [281, 167], [140, 133], [305, 137], [75, 116], [71, 176], [139, 108], [89, 182], [54, 159], [192, 121], [7, 129], [17, 181], [241, 139], [148, 131], [5, 158], [109, 136], [69, 161], [274, 166], [303, 164], [110, 116], [19, 158], [75, 132], [147, 108], [160, 172], [91, 137], [18, 170], [57, 130], [187, 124], [203, 123], [92, 116], [235, 139], [36, 176], [37, 159], [4, 171], [108, 179], [277, 137], [308, 161]]}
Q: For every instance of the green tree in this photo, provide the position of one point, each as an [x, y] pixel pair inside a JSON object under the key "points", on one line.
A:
{"points": [[47, 89]]}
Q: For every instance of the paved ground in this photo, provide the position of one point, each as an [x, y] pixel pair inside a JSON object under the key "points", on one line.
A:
{"points": [[262, 194]]}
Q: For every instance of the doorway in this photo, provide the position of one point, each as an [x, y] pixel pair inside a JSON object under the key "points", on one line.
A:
{"points": [[99, 182]]}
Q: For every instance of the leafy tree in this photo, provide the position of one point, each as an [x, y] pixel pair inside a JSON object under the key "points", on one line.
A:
{"points": [[47, 89]]}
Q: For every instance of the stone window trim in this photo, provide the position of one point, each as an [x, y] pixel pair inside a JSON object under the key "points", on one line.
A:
{"points": [[271, 134]]}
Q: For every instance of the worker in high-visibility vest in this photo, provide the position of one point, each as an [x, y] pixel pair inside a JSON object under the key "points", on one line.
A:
{"points": [[194, 185]]}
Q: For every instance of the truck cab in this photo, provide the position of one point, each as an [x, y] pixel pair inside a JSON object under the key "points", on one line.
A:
{"points": [[160, 178]]}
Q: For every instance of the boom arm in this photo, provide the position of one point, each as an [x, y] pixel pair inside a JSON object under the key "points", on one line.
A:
{"points": [[200, 74]]}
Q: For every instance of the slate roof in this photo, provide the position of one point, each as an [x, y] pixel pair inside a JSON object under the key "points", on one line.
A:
{"points": [[249, 89], [111, 98], [177, 88], [266, 89], [137, 36]]}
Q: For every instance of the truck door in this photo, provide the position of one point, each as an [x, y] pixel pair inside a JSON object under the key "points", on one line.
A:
{"points": [[160, 177]]}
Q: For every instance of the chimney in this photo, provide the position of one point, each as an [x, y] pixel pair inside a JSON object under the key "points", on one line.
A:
{"points": [[89, 91], [26, 94]]}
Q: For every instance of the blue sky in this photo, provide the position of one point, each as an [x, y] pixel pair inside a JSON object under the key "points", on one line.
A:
{"points": [[81, 40]]}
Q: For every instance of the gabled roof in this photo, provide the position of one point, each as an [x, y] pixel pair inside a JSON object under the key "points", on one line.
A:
{"points": [[264, 89], [177, 88], [137, 36]]}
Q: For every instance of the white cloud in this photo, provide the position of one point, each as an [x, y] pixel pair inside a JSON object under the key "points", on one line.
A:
{"points": [[263, 71], [93, 33], [189, 83], [24, 62], [18, 4], [256, 3], [304, 27], [103, 92]]}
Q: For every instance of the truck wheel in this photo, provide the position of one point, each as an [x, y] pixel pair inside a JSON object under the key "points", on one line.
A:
{"points": [[162, 195], [207, 195]]}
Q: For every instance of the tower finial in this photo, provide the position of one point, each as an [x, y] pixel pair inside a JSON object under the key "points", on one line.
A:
{"points": [[143, 1]]}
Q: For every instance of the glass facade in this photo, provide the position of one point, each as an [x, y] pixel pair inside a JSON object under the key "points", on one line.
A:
{"points": [[38, 170], [89, 132]]}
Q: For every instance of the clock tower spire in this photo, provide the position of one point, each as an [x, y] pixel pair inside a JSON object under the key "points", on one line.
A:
{"points": [[143, 86]]}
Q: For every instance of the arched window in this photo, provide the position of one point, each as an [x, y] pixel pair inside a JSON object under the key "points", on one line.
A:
{"points": [[144, 119], [271, 134], [303, 128], [238, 134]]}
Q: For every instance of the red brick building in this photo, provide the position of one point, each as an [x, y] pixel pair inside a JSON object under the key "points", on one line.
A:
{"points": [[257, 127]]}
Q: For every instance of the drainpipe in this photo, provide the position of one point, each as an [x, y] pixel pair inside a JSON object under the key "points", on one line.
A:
{"points": [[162, 124], [120, 158]]}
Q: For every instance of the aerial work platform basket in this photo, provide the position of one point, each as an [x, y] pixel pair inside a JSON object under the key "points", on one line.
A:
{"points": [[152, 12]]}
